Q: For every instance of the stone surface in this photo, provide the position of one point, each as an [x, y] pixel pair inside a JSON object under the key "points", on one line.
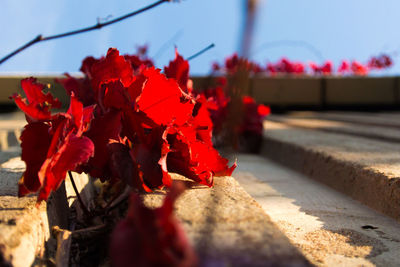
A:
{"points": [[383, 133], [24, 226], [228, 228], [329, 228], [365, 169]]}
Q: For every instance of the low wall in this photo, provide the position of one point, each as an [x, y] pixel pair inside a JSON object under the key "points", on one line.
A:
{"points": [[281, 92]]}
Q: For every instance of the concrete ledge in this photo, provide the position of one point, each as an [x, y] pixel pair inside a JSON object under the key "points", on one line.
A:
{"points": [[229, 228], [361, 90], [287, 91], [226, 226], [328, 227], [25, 228], [367, 170], [278, 91]]}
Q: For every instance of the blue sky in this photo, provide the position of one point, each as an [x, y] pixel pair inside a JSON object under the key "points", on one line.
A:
{"points": [[340, 29]]}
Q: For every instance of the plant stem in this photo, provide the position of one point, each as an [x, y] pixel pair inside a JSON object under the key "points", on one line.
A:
{"points": [[85, 210], [97, 26], [200, 52]]}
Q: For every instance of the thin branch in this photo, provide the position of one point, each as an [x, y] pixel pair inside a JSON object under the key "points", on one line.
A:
{"points": [[97, 26], [201, 52], [83, 206]]}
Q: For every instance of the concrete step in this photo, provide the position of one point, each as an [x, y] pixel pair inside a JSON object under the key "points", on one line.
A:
{"points": [[381, 132], [367, 169], [329, 228], [25, 229], [227, 227], [383, 119]]}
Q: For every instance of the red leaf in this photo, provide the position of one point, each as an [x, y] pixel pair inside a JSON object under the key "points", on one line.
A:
{"points": [[202, 121], [123, 167], [37, 104], [116, 96], [101, 131], [112, 68], [80, 116], [80, 87], [193, 158], [179, 70], [150, 156], [149, 237], [163, 101], [73, 151], [35, 141]]}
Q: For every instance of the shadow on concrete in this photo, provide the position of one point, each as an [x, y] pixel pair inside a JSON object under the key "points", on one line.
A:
{"points": [[333, 223]]}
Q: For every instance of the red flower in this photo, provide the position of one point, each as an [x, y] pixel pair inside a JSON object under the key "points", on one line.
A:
{"points": [[324, 69], [151, 237], [344, 67], [285, 66], [358, 69], [381, 62]]}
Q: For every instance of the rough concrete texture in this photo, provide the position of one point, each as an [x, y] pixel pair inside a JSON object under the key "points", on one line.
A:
{"points": [[24, 228], [228, 228], [382, 133], [364, 118], [329, 228], [365, 169]]}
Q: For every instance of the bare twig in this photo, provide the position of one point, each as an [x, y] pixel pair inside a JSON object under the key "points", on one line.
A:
{"points": [[119, 200], [97, 26], [200, 52], [83, 206]]}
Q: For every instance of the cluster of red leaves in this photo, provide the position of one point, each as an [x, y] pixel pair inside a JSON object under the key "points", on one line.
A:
{"points": [[234, 62], [381, 62], [51, 144], [286, 66], [217, 103], [126, 122]]}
